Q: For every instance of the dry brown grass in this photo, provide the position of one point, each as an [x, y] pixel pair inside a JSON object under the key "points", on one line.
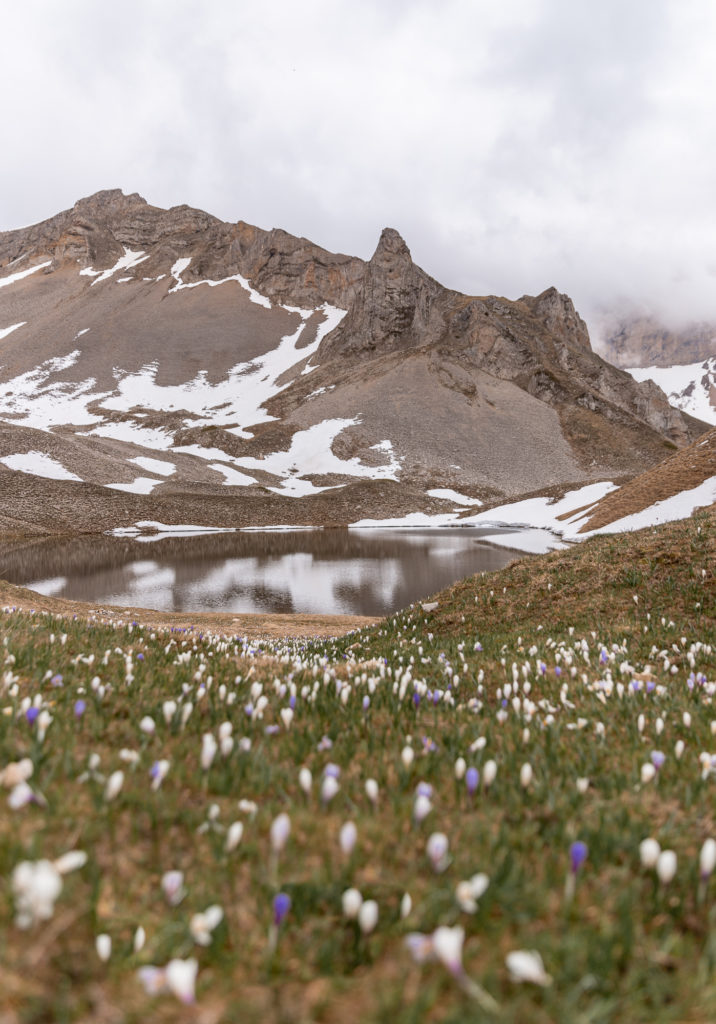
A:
{"points": [[680, 472]]}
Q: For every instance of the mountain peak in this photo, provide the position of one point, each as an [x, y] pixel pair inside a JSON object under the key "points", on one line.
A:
{"points": [[391, 244]]}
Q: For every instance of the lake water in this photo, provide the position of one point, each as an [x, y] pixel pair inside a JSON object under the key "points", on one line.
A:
{"points": [[357, 572]]}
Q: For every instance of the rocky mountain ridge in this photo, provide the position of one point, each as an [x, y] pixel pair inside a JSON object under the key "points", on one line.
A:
{"points": [[217, 356]]}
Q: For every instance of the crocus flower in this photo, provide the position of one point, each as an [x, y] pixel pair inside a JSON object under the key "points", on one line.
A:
{"points": [[666, 866], [305, 780], [707, 859], [329, 788], [80, 708], [103, 945], [280, 831], [371, 790], [649, 851], [489, 773], [351, 902], [472, 780], [578, 852], [421, 808], [469, 892], [368, 916], [437, 851], [234, 835], [158, 772], [209, 747], [347, 838], [202, 925], [178, 977], [173, 887], [114, 785], [525, 775], [281, 907], [527, 966]]}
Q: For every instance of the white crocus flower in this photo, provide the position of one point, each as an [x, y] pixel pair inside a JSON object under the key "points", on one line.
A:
{"points": [[348, 837], [649, 851], [368, 916], [527, 966], [202, 925], [209, 746], [114, 785], [280, 831], [305, 780], [173, 887], [103, 945], [351, 902], [437, 851], [234, 836], [666, 866], [469, 892]]}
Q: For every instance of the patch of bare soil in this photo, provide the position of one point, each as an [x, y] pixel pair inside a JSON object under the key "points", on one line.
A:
{"points": [[256, 626], [681, 472]]}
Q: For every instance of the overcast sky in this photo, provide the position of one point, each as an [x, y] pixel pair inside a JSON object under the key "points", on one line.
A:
{"points": [[515, 144]]}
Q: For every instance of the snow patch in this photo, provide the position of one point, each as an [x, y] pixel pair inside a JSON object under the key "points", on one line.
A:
{"points": [[232, 477], [154, 465], [142, 485], [37, 464], [447, 494], [688, 387]]}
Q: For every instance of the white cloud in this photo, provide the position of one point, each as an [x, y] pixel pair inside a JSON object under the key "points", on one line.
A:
{"points": [[514, 145]]}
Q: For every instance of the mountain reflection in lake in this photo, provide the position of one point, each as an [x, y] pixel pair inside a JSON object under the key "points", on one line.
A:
{"points": [[358, 572]]}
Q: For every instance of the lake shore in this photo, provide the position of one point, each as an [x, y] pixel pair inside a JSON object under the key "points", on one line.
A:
{"points": [[255, 625]]}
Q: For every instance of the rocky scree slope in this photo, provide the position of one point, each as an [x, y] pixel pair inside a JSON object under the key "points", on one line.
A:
{"points": [[163, 364]]}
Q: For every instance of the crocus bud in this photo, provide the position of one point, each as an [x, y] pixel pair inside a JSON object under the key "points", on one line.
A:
{"points": [[649, 851], [460, 768], [422, 807], [234, 835], [578, 853], [407, 755], [368, 916], [489, 773], [103, 945], [472, 780], [329, 788], [406, 905], [147, 725], [280, 831], [347, 837], [371, 790], [209, 746], [351, 902], [114, 785], [525, 775], [707, 859], [437, 851], [666, 866], [305, 780]]}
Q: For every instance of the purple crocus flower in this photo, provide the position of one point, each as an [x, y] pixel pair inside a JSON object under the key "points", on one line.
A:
{"points": [[472, 779], [281, 907], [657, 758], [557, 670], [31, 715], [577, 855], [416, 698], [80, 708], [56, 680], [292, 702]]}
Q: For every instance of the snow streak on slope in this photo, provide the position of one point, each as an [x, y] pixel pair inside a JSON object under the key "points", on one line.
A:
{"points": [[691, 388], [18, 276], [4, 331], [261, 300], [126, 262]]}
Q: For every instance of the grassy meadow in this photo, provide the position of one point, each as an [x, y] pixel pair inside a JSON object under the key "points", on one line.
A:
{"points": [[440, 818]]}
